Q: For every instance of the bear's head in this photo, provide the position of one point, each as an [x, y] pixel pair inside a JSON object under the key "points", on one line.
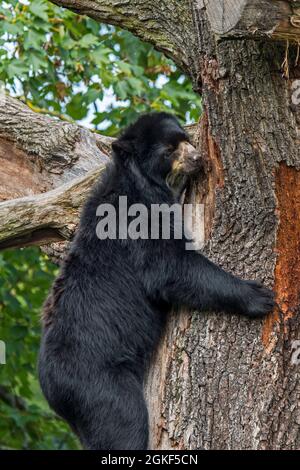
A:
{"points": [[157, 143]]}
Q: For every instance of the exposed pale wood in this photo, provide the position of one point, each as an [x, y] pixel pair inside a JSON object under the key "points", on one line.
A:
{"points": [[275, 19], [224, 15]]}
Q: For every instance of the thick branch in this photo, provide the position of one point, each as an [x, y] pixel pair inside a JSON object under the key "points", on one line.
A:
{"points": [[44, 218], [167, 24], [253, 18], [38, 153]]}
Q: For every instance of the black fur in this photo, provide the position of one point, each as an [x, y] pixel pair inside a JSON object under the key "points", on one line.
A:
{"points": [[107, 308]]}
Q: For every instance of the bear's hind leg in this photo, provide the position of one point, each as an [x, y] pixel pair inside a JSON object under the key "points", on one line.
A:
{"points": [[116, 419]]}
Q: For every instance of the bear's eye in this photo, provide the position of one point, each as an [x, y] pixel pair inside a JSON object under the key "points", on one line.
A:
{"points": [[171, 150], [172, 147], [176, 145]]}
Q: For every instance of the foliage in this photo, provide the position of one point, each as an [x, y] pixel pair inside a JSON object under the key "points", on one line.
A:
{"points": [[69, 64], [25, 278], [71, 67]]}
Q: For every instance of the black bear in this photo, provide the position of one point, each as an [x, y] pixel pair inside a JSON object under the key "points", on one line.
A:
{"points": [[107, 308]]}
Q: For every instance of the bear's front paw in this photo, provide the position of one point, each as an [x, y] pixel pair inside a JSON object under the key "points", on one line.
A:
{"points": [[258, 300]]}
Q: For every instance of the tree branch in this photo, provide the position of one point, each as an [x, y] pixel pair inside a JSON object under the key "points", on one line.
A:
{"points": [[167, 24], [278, 20], [39, 153], [44, 218]]}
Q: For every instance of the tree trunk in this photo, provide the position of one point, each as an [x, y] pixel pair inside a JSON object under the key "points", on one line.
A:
{"points": [[226, 382], [222, 381]]}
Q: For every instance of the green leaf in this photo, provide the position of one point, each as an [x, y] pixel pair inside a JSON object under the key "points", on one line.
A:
{"points": [[100, 55], [39, 8], [11, 28], [121, 89], [17, 68], [37, 60], [92, 95], [88, 40], [76, 107], [33, 40]]}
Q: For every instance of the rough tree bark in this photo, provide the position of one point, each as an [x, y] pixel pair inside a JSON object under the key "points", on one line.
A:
{"points": [[217, 382]]}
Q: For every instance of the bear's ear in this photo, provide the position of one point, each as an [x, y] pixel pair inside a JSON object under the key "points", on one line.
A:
{"points": [[122, 146]]}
